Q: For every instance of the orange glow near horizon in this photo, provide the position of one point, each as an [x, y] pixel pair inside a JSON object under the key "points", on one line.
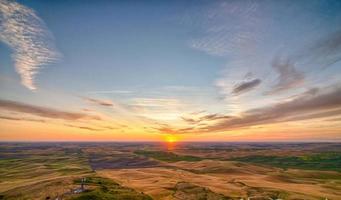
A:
{"points": [[56, 131]]}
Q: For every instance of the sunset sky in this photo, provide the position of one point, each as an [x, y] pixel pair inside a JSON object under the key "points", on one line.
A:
{"points": [[82, 70]]}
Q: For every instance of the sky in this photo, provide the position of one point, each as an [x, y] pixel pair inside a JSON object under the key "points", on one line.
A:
{"points": [[81, 70]]}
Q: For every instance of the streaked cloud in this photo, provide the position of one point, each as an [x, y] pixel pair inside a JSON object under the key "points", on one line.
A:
{"points": [[320, 53], [111, 92], [100, 102], [164, 109], [337, 119], [26, 34], [83, 127], [21, 119], [167, 130], [189, 120], [94, 127], [204, 118], [323, 52], [211, 117], [313, 104], [245, 86], [156, 102], [324, 103], [44, 111]]}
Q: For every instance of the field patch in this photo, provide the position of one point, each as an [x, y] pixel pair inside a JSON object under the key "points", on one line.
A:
{"points": [[101, 160], [322, 161], [21, 167], [167, 156], [188, 191], [121, 163]]}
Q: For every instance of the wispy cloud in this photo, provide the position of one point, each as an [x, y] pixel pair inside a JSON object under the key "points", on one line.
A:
{"points": [[156, 102], [166, 130], [245, 86], [189, 120], [231, 30], [337, 119], [32, 44], [99, 102], [320, 53], [157, 108], [288, 75], [323, 52], [83, 127], [222, 37], [111, 92], [95, 127], [197, 119], [21, 119], [247, 36], [44, 111]]}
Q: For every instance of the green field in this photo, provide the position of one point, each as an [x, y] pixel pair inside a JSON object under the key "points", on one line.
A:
{"points": [[323, 161]]}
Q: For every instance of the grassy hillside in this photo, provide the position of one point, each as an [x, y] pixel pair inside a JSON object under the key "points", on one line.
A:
{"points": [[106, 189]]}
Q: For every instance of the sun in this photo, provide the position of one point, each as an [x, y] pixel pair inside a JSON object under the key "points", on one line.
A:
{"points": [[171, 139]]}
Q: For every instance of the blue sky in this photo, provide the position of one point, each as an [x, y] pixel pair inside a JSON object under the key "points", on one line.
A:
{"points": [[171, 64], [126, 46]]}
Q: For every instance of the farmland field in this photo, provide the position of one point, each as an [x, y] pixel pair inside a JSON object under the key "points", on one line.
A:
{"points": [[151, 171]]}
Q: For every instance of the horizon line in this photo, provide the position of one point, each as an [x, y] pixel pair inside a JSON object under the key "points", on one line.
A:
{"points": [[129, 141]]}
